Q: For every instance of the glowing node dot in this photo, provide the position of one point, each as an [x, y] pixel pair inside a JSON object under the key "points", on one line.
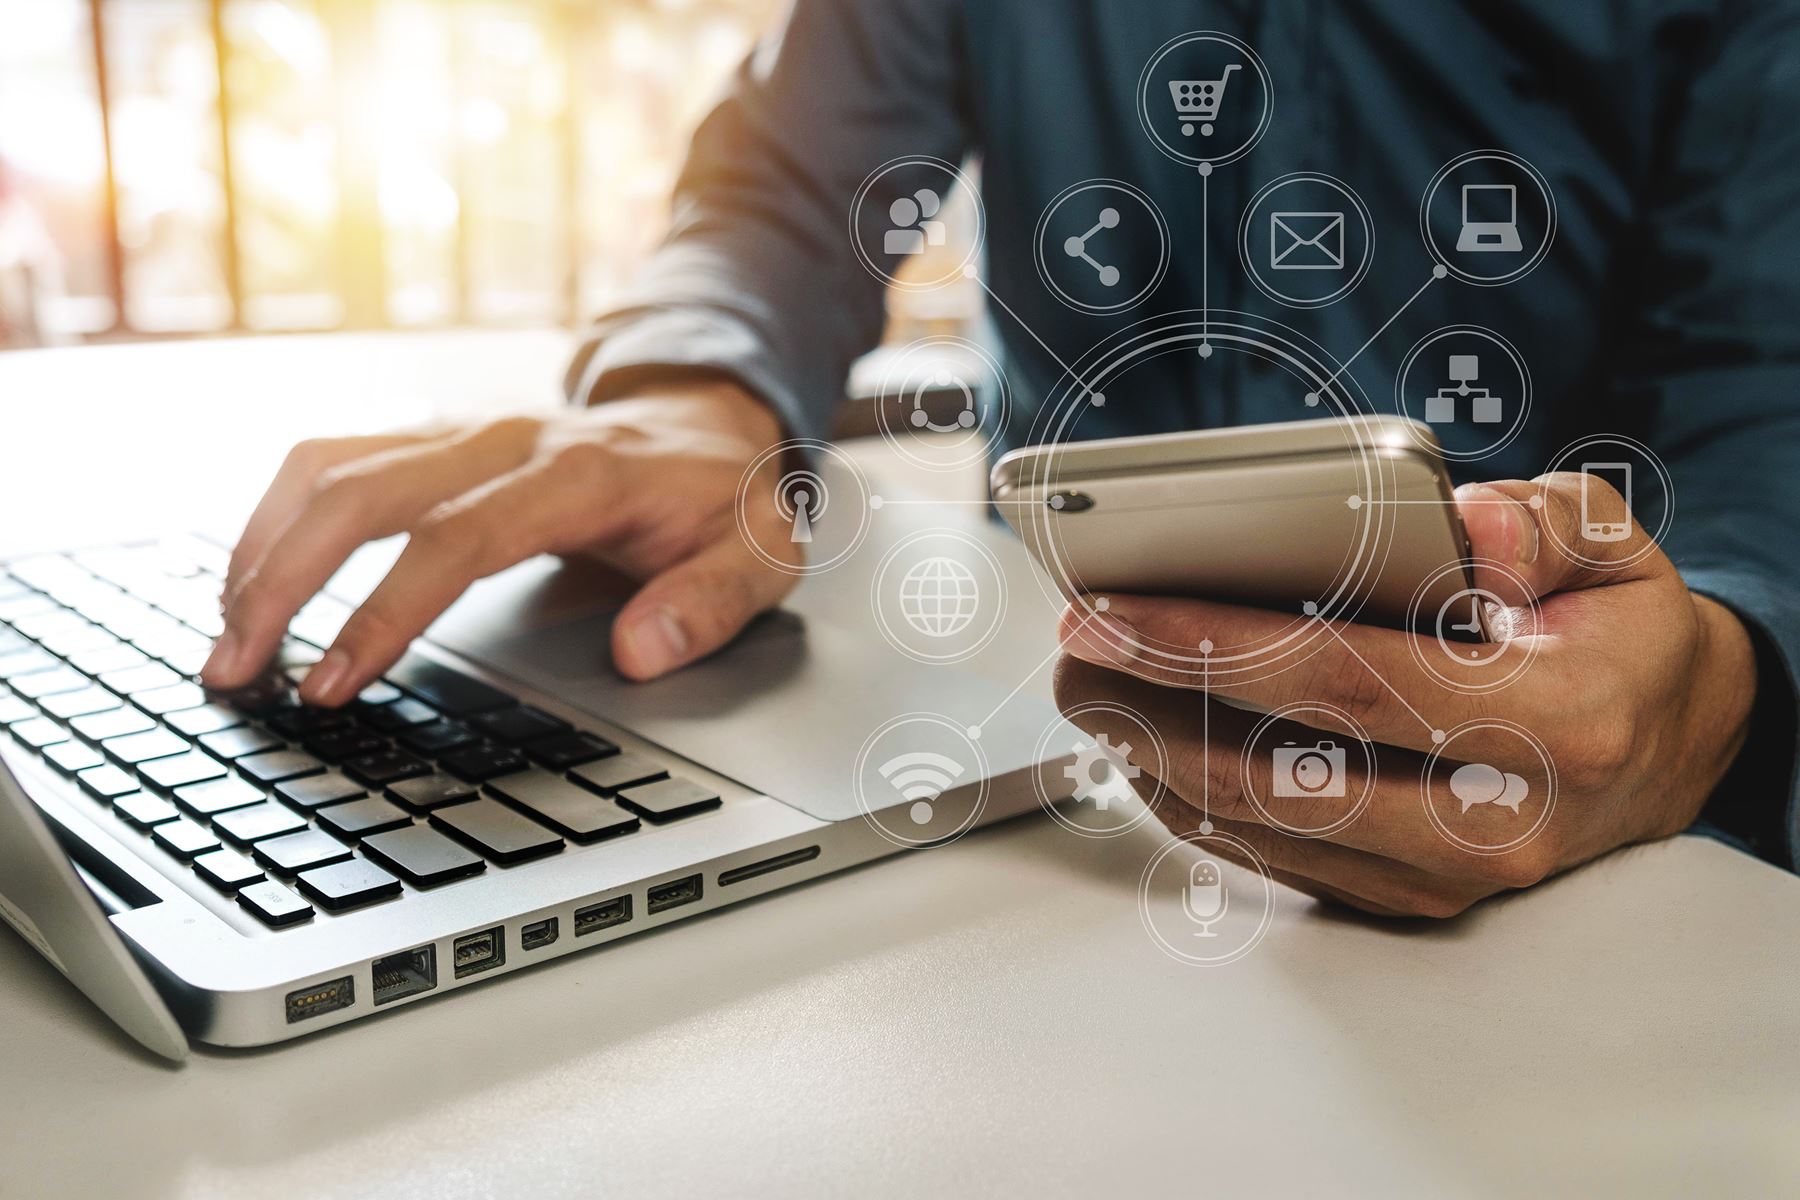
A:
{"points": [[1206, 168], [968, 271], [1099, 399], [876, 502], [1206, 645], [1057, 502], [1312, 399], [1206, 827], [1310, 608], [1205, 349], [975, 731], [1102, 604], [1537, 502], [1439, 271], [1355, 502], [1437, 736]]}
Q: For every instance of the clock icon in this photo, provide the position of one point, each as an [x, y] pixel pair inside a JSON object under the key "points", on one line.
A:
{"points": [[1462, 634]]}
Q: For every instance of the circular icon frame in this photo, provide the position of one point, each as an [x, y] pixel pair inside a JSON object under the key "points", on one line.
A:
{"points": [[874, 265], [1041, 254], [803, 477], [1175, 151], [1449, 263], [1416, 607], [974, 436], [1197, 839], [1513, 429], [1654, 540], [871, 812], [1352, 727], [1438, 751], [879, 590], [1053, 805], [1248, 259]]}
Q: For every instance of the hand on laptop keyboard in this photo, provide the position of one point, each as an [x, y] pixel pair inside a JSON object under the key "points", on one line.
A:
{"points": [[646, 484]]}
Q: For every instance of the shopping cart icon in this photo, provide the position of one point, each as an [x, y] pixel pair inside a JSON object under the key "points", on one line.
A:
{"points": [[1197, 100]]}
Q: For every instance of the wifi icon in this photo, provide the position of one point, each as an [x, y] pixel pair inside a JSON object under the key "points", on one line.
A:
{"points": [[921, 776]]}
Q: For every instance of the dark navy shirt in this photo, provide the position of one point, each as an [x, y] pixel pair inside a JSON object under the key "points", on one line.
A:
{"points": [[1667, 309]]}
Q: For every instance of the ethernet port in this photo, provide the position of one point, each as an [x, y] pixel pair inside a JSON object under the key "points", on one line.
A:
{"points": [[478, 952], [404, 974]]}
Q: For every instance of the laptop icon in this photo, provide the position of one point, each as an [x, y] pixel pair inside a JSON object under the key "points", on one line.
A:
{"points": [[1490, 218]]}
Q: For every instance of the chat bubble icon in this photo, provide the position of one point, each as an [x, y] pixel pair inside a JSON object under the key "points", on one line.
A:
{"points": [[1478, 783]]}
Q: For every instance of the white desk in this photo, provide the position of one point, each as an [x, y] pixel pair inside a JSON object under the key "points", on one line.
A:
{"points": [[986, 1017]]}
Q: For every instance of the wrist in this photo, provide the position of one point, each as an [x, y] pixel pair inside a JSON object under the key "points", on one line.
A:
{"points": [[1723, 696], [702, 400]]}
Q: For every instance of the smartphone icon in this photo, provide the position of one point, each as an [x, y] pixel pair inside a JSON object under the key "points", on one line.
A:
{"points": [[1594, 526]]}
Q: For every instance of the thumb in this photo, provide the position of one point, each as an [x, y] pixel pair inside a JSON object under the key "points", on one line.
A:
{"points": [[1556, 533], [693, 608]]}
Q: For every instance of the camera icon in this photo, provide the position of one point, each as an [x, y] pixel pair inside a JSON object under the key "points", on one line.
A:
{"points": [[1308, 770]]}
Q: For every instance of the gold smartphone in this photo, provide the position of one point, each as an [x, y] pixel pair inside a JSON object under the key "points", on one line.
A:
{"points": [[1353, 515]]}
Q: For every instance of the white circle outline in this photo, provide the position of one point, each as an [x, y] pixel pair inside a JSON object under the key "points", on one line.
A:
{"points": [[1053, 807], [1523, 734], [1069, 193], [878, 588], [1417, 642], [977, 434], [1247, 259], [743, 501], [1662, 526], [1143, 99], [1443, 260], [874, 268], [1196, 838], [1352, 726], [1432, 446], [869, 811]]}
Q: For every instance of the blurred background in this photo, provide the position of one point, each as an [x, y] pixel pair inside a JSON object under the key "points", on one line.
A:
{"points": [[176, 168]]}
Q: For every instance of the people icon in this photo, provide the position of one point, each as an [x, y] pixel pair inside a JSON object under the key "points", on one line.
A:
{"points": [[914, 225]]}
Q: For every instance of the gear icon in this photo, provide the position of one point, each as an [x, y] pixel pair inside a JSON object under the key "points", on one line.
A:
{"points": [[1100, 773]]}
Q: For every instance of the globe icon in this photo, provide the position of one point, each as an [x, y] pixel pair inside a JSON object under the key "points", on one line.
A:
{"points": [[939, 597]]}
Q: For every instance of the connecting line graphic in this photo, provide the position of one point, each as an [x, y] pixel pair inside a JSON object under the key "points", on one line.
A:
{"points": [[1437, 735], [1097, 397], [1206, 737], [1205, 259], [1438, 272], [974, 731]]}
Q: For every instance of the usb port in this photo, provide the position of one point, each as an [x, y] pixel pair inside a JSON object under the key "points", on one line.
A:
{"points": [[537, 934], [320, 999], [480, 952], [405, 974], [603, 915], [673, 894]]}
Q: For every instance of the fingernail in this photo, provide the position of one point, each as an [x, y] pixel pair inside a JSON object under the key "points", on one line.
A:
{"points": [[658, 642], [1104, 639], [223, 663], [1520, 522], [326, 678]]}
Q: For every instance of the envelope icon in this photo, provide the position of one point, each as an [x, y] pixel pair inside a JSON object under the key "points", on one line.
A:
{"points": [[1306, 241]]}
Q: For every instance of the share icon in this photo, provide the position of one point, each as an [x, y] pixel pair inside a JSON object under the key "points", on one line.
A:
{"points": [[1076, 247]]}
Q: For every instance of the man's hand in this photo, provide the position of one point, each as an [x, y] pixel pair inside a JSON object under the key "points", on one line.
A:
{"points": [[646, 484], [1641, 692]]}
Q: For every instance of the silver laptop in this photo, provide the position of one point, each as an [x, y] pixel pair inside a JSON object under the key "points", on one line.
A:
{"points": [[239, 870]]}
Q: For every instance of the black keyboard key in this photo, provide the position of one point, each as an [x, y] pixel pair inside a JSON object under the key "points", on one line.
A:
{"points": [[299, 723], [316, 790], [280, 765], [258, 821], [445, 689], [135, 748], [668, 799], [401, 714], [144, 810], [39, 732], [167, 774], [70, 757], [295, 852], [430, 791], [184, 839], [40, 684], [145, 678], [105, 783], [170, 699], [573, 811], [86, 702], [274, 905], [208, 718], [227, 870], [233, 744], [377, 694], [117, 723], [422, 856], [359, 818], [518, 724], [340, 744], [267, 696], [561, 751], [349, 884], [384, 767], [618, 771], [478, 764], [497, 831], [221, 795], [436, 738]]}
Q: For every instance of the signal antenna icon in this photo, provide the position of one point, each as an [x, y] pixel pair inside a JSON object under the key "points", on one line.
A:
{"points": [[921, 776], [800, 497]]}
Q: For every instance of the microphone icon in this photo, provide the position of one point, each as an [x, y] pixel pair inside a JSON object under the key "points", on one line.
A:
{"points": [[800, 497], [1205, 898]]}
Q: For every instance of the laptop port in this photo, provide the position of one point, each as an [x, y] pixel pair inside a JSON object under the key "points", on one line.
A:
{"points": [[603, 915], [673, 894], [537, 934], [320, 999], [404, 974], [792, 858], [478, 952]]}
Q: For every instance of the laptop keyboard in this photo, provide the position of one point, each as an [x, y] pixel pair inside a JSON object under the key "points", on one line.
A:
{"points": [[429, 777]]}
